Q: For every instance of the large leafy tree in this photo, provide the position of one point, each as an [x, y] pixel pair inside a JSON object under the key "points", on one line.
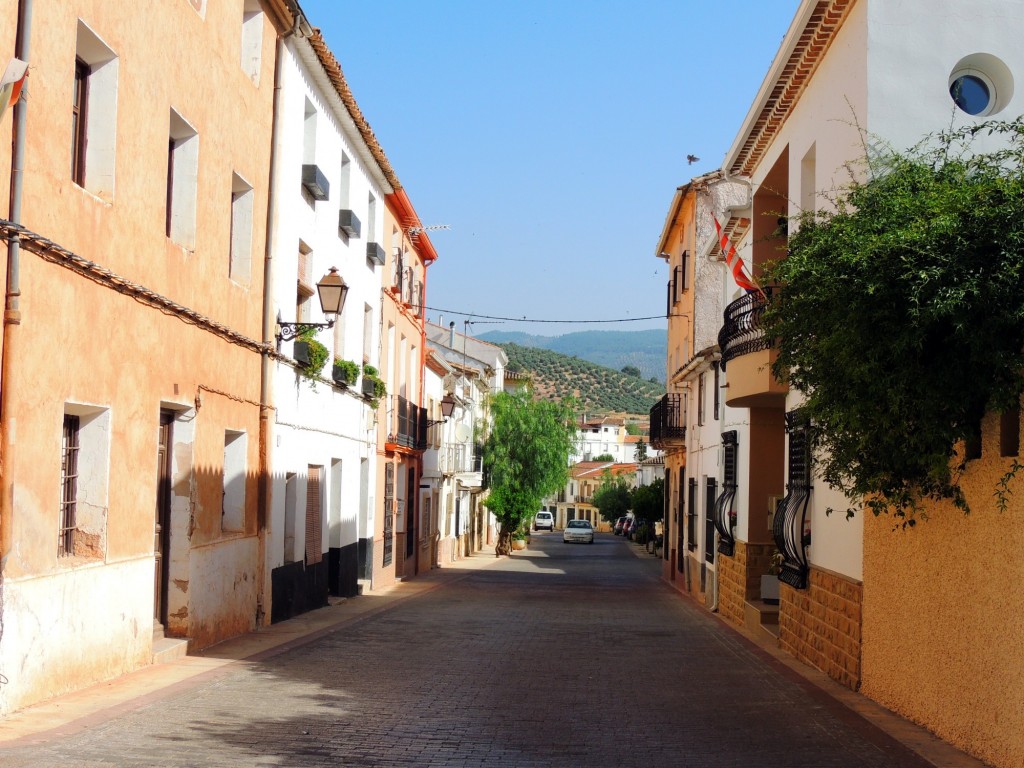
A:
{"points": [[900, 315], [525, 457], [649, 501], [612, 497]]}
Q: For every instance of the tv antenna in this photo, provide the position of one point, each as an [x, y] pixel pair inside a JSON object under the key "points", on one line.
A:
{"points": [[413, 231]]}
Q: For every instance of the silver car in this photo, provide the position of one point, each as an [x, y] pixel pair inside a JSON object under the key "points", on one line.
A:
{"points": [[578, 530]]}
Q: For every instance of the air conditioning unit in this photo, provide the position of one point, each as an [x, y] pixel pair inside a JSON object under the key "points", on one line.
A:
{"points": [[375, 253], [314, 182], [348, 222]]}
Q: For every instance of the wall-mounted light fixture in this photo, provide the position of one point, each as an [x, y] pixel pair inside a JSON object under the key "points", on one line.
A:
{"points": [[332, 291], [447, 408]]}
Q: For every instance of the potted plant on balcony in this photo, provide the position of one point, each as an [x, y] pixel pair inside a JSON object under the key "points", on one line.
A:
{"points": [[373, 386], [311, 356], [344, 372]]}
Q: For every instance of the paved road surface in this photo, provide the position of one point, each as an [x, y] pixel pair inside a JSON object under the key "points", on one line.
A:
{"points": [[565, 655]]}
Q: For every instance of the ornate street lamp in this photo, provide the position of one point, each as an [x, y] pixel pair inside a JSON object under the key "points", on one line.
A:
{"points": [[332, 291]]}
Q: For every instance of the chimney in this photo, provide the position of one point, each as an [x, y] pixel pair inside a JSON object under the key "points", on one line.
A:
{"points": [[451, 334]]}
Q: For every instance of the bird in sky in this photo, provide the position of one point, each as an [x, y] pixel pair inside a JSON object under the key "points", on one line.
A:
{"points": [[691, 159]]}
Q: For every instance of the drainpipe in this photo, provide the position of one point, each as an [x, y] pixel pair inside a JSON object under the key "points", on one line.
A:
{"points": [[264, 496], [12, 301]]}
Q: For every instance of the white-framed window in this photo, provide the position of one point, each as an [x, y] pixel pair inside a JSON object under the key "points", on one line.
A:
{"points": [[94, 114], [252, 40], [240, 259], [236, 446], [84, 482], [182, 181]]}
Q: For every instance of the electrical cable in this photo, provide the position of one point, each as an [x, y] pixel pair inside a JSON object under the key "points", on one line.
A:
{"points": [[532, 320]]}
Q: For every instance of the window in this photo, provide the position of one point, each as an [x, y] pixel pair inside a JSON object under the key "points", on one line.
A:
{"points": [[1009, 432], [700, 400], [93, 114], [290, 505], [304, 284], [252, 40], [716, 395], [240, 261], [981, 85], [84, 471], [233, 510], [79, 114], [182, 181], [790, 526]]}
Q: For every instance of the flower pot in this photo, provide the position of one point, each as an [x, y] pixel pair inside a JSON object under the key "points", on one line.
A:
{"points": [[770, 589], [518, 543], [368, 387], [341, 376], [300, 351]]}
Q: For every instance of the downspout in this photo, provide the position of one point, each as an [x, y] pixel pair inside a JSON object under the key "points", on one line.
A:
{"points": [[264, 495], [12, 300]]}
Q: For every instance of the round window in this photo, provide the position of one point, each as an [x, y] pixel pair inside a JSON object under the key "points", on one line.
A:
{"points": [[972, 94], [981, 85]]}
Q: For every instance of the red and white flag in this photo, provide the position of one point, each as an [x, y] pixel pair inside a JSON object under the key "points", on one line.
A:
{"points": [[734, 261], [11, 83]]}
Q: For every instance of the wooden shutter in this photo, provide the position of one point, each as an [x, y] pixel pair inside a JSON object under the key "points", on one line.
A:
{"points": [[314, 524]]}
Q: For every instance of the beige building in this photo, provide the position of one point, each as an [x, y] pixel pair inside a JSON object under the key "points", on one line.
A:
{"points": [[925, 620], [130, 423]]}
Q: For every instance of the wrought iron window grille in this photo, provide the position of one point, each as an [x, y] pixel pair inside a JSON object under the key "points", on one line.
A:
{"points": [[725, 515], [790, 526]]}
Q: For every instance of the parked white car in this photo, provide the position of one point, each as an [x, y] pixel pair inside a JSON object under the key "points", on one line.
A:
{"points": [[544, 521], [578, 530]]}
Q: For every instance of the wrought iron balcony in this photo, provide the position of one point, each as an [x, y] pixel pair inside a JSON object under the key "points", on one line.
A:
{"points": [[408, 424], [668, 427], [453, 459], [741, 333]]}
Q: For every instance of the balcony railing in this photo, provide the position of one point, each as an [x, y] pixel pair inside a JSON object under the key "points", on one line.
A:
{"points": [[408, 424], [668, 426], [742, 333], [453, 459]]}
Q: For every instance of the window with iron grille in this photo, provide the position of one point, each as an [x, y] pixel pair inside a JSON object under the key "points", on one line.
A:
{"points": [[724, 516], [69, 486], [691, 515], [710, 496], [94, 114], [84, 478], [79, 118], [791, 527], [389, 512]]}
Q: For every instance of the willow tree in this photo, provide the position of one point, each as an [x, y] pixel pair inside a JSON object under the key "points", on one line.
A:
{"points": [[525, 457]]}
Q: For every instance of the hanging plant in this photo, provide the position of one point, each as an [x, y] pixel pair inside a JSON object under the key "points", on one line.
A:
{"points": [[344, 372], [316, 356], [373, 386]]}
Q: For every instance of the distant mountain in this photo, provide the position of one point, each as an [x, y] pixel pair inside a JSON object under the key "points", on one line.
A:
{"points": [[599, 389], [646, 350]]}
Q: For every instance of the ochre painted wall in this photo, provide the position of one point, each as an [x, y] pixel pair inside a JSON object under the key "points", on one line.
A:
{"points": [[944, 614]]}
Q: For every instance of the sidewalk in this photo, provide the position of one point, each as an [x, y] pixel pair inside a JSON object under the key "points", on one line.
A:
{"points": [[91, 706], [916, 738]]}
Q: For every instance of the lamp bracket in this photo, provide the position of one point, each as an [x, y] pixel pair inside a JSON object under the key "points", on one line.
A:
{"points": [[290, 331]]}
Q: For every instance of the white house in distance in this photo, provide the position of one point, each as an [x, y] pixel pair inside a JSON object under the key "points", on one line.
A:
{"points": [[329, 190], [478, 372]]}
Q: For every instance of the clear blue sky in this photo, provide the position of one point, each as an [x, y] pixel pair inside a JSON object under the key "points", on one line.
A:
{"points": [[550, 136]]}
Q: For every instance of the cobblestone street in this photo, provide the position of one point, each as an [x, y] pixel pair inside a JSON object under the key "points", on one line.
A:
{"points": [[562, 655]]}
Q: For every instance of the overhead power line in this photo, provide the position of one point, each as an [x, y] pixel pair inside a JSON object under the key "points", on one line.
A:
{"points": [[535, 320]]}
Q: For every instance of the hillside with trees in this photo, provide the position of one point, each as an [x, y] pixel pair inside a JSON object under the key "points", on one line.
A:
{"points": [[644, 350], [599, 389]]}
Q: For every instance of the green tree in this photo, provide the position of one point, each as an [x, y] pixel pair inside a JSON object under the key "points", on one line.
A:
{"points": [[641, 450], [901, 316], [631, 370], [611, 497], [648, 501], [525, 457], [604, 457]]}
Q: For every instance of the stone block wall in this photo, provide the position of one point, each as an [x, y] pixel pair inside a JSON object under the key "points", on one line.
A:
{"points": [[740, 578], [821, 625]]}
